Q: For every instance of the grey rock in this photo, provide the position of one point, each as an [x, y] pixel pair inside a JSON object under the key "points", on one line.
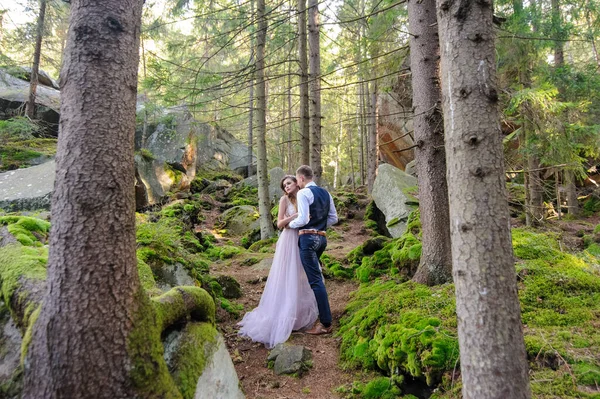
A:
{"points": [[263, 265], [390, 196], [219, 378], [411, 168], [275, 176], [5, 237], [27, 189], [231, 288], [169, 276], [14, 93], [10, 345], [240, 219], [290, 359], [179, 146], [216, 186]]}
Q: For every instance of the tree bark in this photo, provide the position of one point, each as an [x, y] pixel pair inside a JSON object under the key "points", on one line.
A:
{"points": [[373, 139], [35, 68], [361, 131], [436, 257], [80, 342], [571, 191], [251, 103], [492, 352], [303, 62], [264, 202], [314, 31]]}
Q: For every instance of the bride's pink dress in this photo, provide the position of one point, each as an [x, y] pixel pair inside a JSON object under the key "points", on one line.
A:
{"points": [[287, 303]]}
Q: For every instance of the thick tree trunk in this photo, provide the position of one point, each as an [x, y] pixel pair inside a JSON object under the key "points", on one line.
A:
{"points": [[436, 257], [35, 68], [81, 339], [304, 100], [264, 202], [492, 352], [373, 139], [314, 31]]}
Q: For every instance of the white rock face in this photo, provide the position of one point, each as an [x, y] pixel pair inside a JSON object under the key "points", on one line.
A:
{"points": [[390, 196], [219, 379]]}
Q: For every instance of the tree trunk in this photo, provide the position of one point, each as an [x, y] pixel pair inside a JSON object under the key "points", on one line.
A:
{"points": [[251, 103], [366, 131], [289, 104], [535, 207], [492, 352], [303, 62], [80, 346], [571, 191], [264, 202], [373, 139], [314, 30], [361, 131], [35, 68], [436, 258]]}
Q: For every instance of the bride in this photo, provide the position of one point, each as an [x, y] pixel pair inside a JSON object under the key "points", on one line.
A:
{"points": [[287, 303]]}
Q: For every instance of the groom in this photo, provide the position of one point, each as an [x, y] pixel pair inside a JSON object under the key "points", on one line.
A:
{"points": [[316, 212]]}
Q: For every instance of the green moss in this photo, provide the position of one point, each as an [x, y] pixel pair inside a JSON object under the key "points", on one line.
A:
{"points": [[198, 343], [27, 230], [243, 195], [29, 332], [380, 388], [400, 329], [17, 261], [146, 276], [149, 371], [262, 245], [229, 251], [147, 155]]}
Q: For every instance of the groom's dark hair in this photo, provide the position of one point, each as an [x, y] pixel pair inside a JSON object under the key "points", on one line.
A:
{"points": [[305, 171]]}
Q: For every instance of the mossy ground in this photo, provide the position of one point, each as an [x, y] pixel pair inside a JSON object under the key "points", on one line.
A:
{"points": [[406, 330], [19, 144]]}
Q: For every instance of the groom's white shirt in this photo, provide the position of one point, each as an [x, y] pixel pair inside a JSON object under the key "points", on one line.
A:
{"points": [[305, 198]]}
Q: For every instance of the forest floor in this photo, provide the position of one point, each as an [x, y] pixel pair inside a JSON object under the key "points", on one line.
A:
{"points": [[250, 358]]}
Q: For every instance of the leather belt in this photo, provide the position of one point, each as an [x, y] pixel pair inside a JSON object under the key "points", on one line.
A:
{"points": [[321, 233]]}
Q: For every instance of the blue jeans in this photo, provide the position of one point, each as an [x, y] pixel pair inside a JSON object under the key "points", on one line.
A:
{"points": [[311, 249]]}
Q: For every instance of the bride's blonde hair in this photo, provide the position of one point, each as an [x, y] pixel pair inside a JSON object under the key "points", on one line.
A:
{"points": [[291, 196]]}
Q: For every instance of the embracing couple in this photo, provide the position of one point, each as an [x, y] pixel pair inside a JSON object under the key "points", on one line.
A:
{"points": [[295, 292]]}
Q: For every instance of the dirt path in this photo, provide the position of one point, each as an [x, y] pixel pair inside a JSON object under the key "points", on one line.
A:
{"points": [[250, 358]]}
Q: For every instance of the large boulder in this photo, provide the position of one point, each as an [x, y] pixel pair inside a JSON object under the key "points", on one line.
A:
{"points": [[27, 189], [10, 348], [14, 93], [177, 146], [240, 219], [275, 176], [219, 378], [391, 193]]}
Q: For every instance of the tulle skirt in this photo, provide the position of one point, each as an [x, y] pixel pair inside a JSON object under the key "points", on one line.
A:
{"points": [[287, 303]]}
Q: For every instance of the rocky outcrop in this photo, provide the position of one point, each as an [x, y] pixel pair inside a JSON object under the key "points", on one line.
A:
{"points": [[14, 93], [177, 146], [392, 195], [275, 176], [27, 189]]}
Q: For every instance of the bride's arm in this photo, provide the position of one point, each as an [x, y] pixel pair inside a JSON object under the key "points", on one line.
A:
{"points": [[283, 221]]}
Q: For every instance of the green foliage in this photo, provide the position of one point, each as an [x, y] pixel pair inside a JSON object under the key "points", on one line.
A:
{"points": [[243, 195]]}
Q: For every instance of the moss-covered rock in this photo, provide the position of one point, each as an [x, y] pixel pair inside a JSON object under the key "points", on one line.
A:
{"points": [[29, 231], [239, 220]]}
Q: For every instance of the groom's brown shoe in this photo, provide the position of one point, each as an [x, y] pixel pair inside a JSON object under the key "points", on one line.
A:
{"points": [[319, 329]]}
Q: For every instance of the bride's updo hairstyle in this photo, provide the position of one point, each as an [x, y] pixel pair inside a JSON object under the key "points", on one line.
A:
{"points": [[291, 197]]}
